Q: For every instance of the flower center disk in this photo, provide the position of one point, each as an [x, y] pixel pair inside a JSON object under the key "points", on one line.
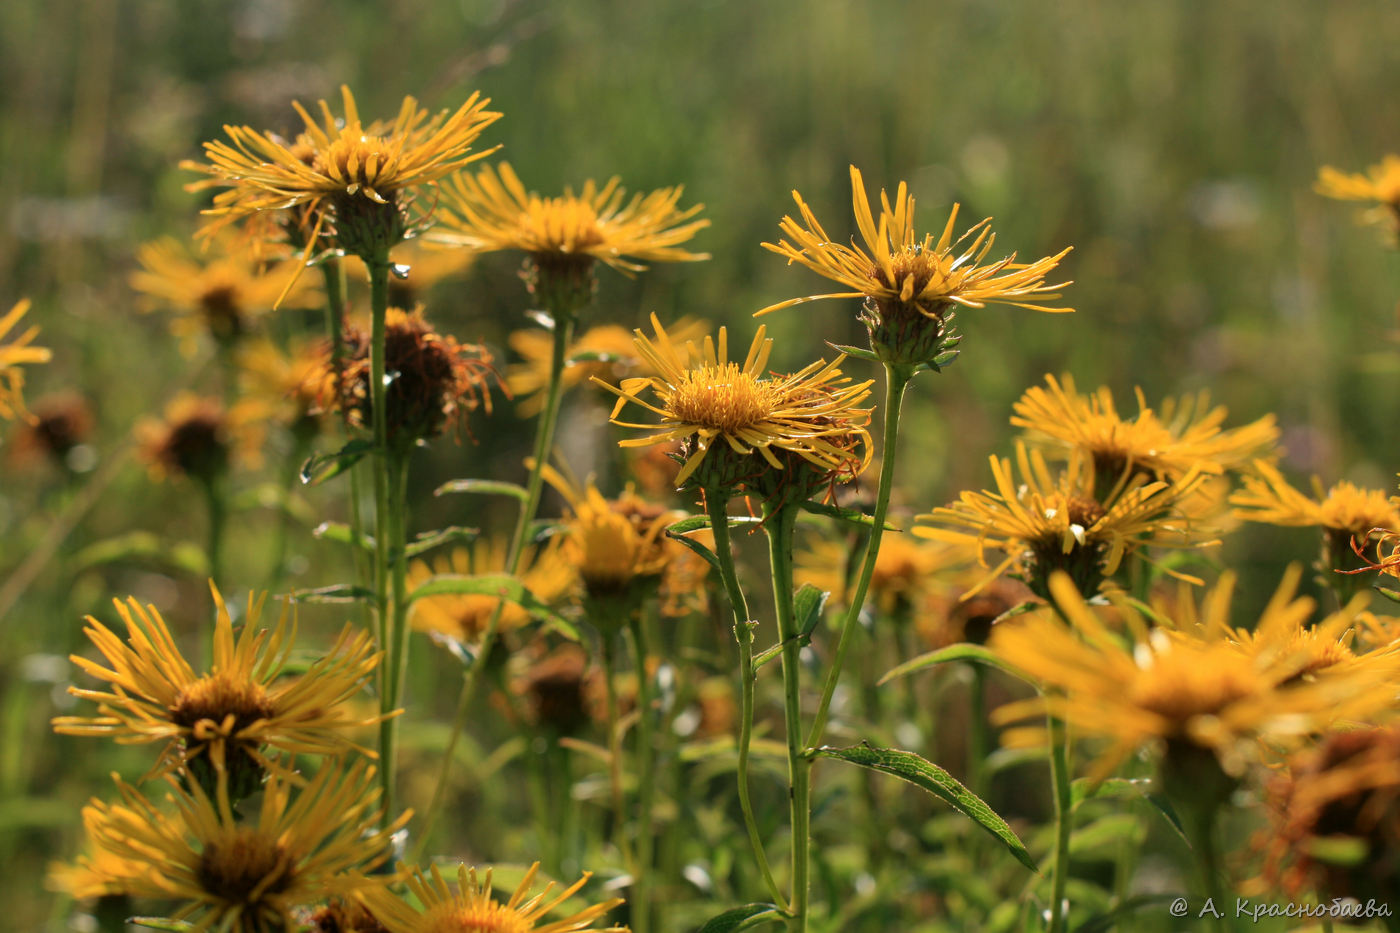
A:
{"points": [[722, 398]]}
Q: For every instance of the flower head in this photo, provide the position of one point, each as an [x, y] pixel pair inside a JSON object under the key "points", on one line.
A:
{"points": [[249, 875], [284, 383], [1165, 443], [198, 438], [739, 424], [493, 211], [605, 352], [1380, 184], [62, 423], [907, 570], [18, 351], [220, 292], [359, 172], [1063, 521], [463, 617], [436, 380], [618, 546], [227, 718], [473, 908], [912, 285], [1190, 686]]}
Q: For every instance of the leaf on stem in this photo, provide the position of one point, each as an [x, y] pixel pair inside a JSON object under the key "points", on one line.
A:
{"points": [[854, 516], [486, 487], [975, 654], [339, 593], [321, 467], [501, 585], [742, 918], [917, 771]]}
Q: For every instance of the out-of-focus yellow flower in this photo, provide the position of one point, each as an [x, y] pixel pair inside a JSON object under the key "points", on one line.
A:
{"points": [[605, 353], [247, 875], [1191, 686], [613, 543], [285, 383], [18, 351], [1060, 521], [463, 617], [60, 423], [226, 718], [198, 438], [1380, 184], [97, 873], [341, 161], [492, 210], [907, 570], [472, 908], [221, 292], [1267, 497], [912, 285], [747, 420], [1165, 443]]}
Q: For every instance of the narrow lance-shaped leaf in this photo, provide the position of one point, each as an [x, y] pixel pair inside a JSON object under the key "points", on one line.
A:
{"points": [[974, 654], [742, 918], [488, 487], [921, 773], [321, 467]]}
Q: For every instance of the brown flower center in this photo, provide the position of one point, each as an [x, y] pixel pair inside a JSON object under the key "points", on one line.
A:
{"points": [[215, 697], [244, 866]]}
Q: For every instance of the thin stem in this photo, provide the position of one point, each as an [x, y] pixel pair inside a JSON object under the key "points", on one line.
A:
{"points": [[398, 602], [717, 507], [978, 739], [1207, 851], [780, 526], [897, 378], [544, 439], [217, 510], [646, 784], [379, 305], [1060, 778], [619, 807]]}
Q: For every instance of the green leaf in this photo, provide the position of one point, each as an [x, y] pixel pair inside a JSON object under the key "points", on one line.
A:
{"points": [[807, 606], [595, 356], [339, 593], [1388, 593], [860, 353], [1083, 789], [1105, 832], [975, 654], [144, 547], [339, 533], [854, 516], [910, 767], [160, 923], [1338, 850], [321, 467], [431, 539], [742, 918], [486, 487], [500, 585], [678, 531]]}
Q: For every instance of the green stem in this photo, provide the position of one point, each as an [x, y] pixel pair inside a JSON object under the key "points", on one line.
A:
{"points": [[780, 526], [619, 814], [717, 507], [978, 744], [1206, 852], [897, 378], [1064, 822], [398, 602], [379, 305], [564, 319], [217, 510], [646, 784]]}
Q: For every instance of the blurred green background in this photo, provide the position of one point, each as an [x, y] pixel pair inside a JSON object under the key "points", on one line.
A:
{"points": [[1173, 144]]}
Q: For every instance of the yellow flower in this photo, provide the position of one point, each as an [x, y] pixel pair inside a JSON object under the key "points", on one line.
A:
{"points": [[605, 352], [1062, 521], [714, 404], [62, 423], [1184, 434], [1345, 507], [462, 617], [493, 211], [224, 718], [437, 381], [285, 383], [472, 908], [613, 543], [906, 570], [98, 873], [198, 438], [221, 292], [340, 160], [912, 285], [243, 874], [1380, 184], [14, 353], [1193, 686]]}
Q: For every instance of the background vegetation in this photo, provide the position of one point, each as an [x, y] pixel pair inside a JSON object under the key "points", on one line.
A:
{"points": [[1173, 144]]}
